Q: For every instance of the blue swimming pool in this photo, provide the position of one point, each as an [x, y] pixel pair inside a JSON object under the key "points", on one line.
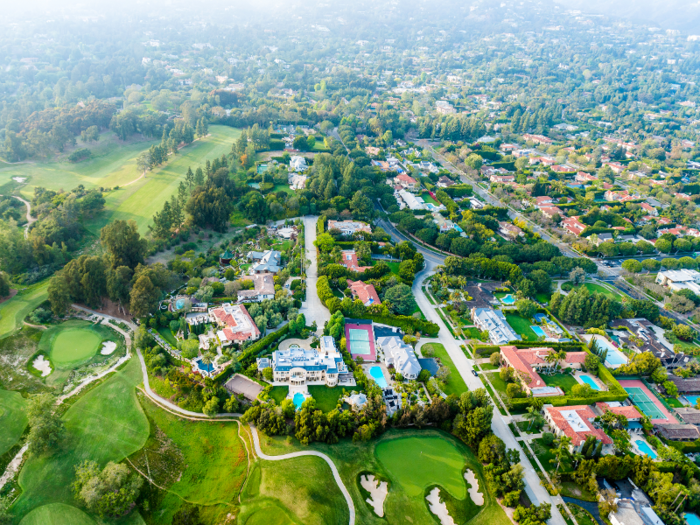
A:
{"points": [[693, 400], [589, 381], [691, 519], [206, 368], [298, 400], [508, 299], [614, 358], [179, 304], [378, 376], [644, 448], [538, 331]]}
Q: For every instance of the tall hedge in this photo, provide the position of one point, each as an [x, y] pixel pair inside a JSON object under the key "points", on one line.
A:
{"points": [[404, 321], [254, 350], [321, 225]]}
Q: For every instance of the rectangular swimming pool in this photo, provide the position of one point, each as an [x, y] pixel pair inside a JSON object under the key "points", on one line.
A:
{"points": [[691, 519], [644, 448], [693, 400], [589, 381], [614, 358], [538, 331]]}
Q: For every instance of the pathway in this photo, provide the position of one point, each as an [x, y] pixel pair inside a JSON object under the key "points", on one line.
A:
{"points": [[30, 220], [313, 309], [535, 491], [291, 455]]}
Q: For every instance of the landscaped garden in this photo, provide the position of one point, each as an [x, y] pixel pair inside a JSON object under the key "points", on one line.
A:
{"points": [[455, 384], [326, 398], [521, 326]]}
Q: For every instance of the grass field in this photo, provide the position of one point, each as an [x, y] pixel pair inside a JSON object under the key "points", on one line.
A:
{"points": [[140, 200], [446, 459], [394, 267], [13, 420], [61, 514], [14, 310], [278, 393], [73, 343], [456, 384], [521, 327], [166, 334], [565, 381], [326, 398], [596, 288], [106, 424]]}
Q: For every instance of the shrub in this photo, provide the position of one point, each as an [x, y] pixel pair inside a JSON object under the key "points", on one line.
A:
{"points": [[548, 438]]}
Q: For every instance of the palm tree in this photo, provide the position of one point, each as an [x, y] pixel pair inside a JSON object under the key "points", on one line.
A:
{"points": [[560, 355], [533, 416], [208, 358], [562, 451], [550, 358]]}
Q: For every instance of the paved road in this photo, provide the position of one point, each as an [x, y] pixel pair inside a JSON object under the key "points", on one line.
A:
{"points": [[313, 309], [336, 474], [536, 492]]}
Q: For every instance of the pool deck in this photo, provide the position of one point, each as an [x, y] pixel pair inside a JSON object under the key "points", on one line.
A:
{"points": [[636, 383], [638, 451]]}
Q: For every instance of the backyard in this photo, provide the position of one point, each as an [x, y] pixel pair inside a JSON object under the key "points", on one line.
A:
{"points": [[455, 384], [521, 326], [597, 288], [564, 381], [326, 398]]}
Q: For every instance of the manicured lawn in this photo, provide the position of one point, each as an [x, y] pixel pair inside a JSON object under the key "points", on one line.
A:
{"points": [[279, 393], [411, 461], [394, 267], [455, 385], [498, 383], [583, 517], [326, 398], [106, 424], [593, 287], [427, 198], [13, 420], [565, 381], [688, 347], [57, 514], [166, 334], [673, 402], [543, 297], [544, 454], [488, 366], [73, 343], [201, 462], [521, 327], [14, 310], [140, 200], [283, 187]]}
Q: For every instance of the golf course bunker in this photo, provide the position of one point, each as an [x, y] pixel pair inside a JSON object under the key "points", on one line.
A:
{"points": [[42, 365], [476, 496], [73, 343], [438, 508], [21, 180], [378, 491], [108, 347]]}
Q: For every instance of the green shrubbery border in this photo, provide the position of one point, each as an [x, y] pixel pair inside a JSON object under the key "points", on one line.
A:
{"points": [[254, 350]]}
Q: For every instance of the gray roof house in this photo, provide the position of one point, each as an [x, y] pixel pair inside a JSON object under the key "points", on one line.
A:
{"points": [[689, 415], [399, 355], [500, 332], [678, 432], [269, 261]]}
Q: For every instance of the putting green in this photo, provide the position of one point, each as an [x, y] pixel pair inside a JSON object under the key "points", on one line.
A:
{"points": [[266, 513], [73, 343], [13, 420], [418, 463], [57, 514]]}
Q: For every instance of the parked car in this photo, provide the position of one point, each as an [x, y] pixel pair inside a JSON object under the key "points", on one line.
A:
{"points": [[475, 372]]}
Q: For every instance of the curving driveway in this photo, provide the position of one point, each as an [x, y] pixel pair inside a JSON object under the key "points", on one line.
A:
{"points": [[291, 455]]}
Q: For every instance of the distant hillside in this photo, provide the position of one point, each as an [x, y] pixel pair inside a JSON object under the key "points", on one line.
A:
{"points": [[683, 15]]}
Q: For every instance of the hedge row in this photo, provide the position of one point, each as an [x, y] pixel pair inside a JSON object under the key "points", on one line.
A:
{"points": [[321, 225], [460, 190], [404, 321], [255, 349]]}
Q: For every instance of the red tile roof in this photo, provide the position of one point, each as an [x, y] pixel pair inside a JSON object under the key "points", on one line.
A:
{"points": [[577, 436], [522, 360], [349, 260], [629, 412], [364, 292]]}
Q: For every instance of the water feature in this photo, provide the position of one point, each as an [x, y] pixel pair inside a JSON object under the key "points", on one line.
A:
{"points": [[179, 304], [208, 368], [589, 381], [691, 519], [378, 376], [298, 400], [693, 400], [508, 299]]}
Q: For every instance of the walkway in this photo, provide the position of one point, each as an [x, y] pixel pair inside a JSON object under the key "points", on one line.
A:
{"points": [[30, 220], [535, 491], [313, 309], [291, 455]]}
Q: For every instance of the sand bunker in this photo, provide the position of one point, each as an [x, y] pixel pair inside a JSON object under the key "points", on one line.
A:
{"points": [[476, 496], [108, 347], [42, 365], [19, 179], [439, 509], [378, 491]]}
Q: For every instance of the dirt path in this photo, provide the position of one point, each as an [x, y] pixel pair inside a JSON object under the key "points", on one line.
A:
{"points": [[30, 220]]}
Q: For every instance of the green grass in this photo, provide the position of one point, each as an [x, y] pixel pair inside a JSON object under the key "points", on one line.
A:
{"points": [[455, 385], [544, 454], [106, 424], [443, 461], [113, 164], [326, 398], [283, 187], [57, 514], [498, 383], [142, 199], [13, 420], [394, 267], [596, 288], [427, 198], [565, 381], [14, 310], [673, 402], [471, 332], [279, 393], [166, 334], [73, 343], [583, 517], [574, 490], [543, 298], [521, 327]]}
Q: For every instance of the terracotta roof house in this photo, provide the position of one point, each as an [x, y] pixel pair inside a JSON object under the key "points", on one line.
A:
{"points": [[573, 225], [408, 182], [365, 292], [582, 176], [630, 412], [235, 323], [543, 200], [576, 422], [349, 260], [508, 230], [551, 211], [529, 361], [649, 209]]}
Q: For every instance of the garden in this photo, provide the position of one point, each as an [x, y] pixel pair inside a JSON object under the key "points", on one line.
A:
{"points": [[453, 382]]}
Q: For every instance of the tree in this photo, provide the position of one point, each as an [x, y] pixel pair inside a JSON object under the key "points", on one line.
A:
{"points": [[144, 297], [495, 359], [533, 415], [123, 243], [211, 407], [5, 517], [577, 276], [119, 284], [4, 285], [443, 374], [632, 266], [46, 427], [591, 362], [683, 332], [401, 299], [561, 452], [514, 390], [526, 308], [110, 492], [59, 295]]}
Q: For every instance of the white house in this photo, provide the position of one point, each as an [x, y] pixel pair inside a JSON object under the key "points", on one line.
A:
{"points": [[298, 366], [680, 279], [263, 288], [399, 355], [500, 332], [269, 261], [298, 163], [349, 228]]}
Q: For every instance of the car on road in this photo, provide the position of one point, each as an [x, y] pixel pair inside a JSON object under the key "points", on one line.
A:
{"points": [[475, 372]]}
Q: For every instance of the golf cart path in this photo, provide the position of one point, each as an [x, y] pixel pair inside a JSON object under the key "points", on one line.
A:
{"points": [[292, 455]]}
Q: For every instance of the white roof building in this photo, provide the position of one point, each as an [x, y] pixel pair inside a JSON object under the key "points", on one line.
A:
{"points": [[399, 355], [299, 367], [298, 163], [500, 332], [680, 279], [413, 202], [269, 261]]}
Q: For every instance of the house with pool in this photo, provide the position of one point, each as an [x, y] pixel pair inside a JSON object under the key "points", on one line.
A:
{"points": [[399, 356], [576, 422], [300, 367], [500, 332], [528, 362], [634, 416], [235, 324]]}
